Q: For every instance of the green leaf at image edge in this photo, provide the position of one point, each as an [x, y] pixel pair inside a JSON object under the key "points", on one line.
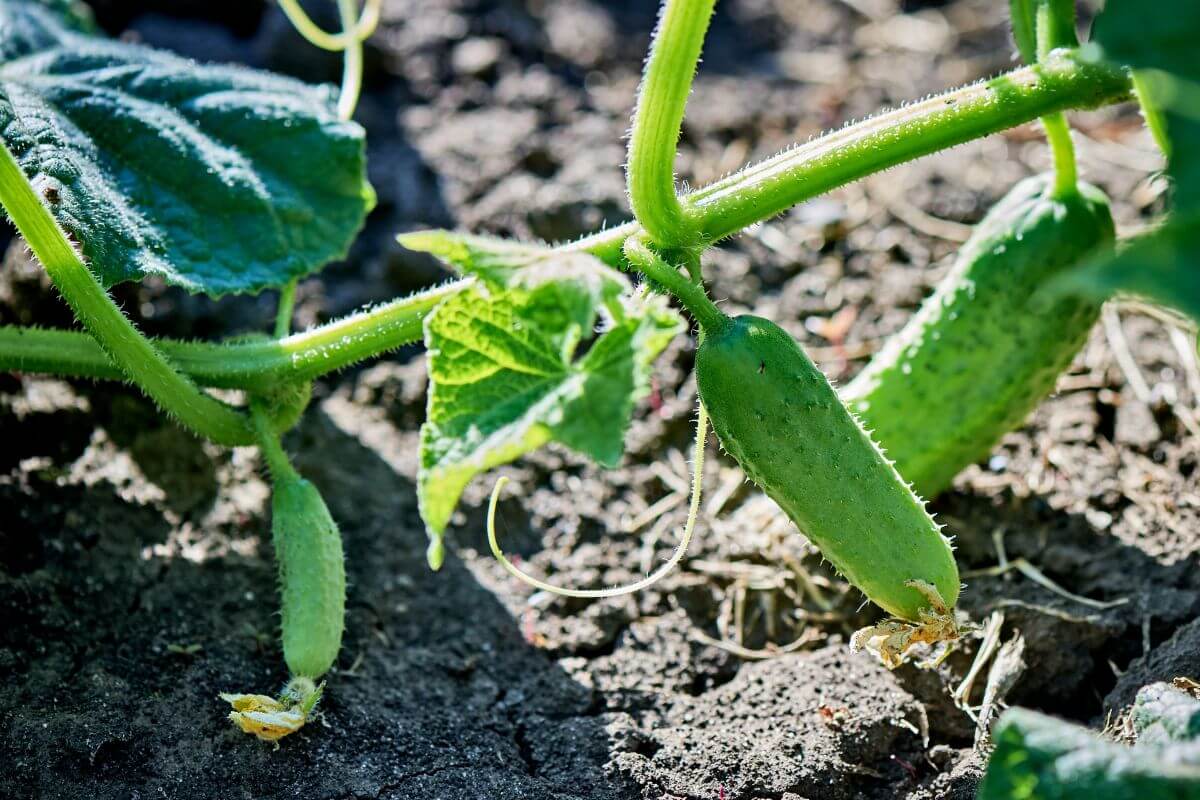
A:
{"points": [[1163, 265], [502, 384], [217, 179]]}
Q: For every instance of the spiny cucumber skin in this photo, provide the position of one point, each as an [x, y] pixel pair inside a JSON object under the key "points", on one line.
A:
{"points": [[778, 416], [312, 577], [987, 346]]}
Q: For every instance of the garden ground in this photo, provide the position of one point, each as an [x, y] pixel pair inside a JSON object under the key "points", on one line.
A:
{"points": [[136, 580]]}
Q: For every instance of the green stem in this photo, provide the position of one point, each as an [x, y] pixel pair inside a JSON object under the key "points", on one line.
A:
{"points": [[1055, 27], [757, 193], [1143, 86], [269, 444], [690, 295], [352, 62], [287, 305], [127, 347], [770, 187], [658, 117], [1058, 134], [902, 135], [250, 365], [333, 42]]}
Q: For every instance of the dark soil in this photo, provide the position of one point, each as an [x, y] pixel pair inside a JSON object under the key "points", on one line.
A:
{"points": [[135, 573]]}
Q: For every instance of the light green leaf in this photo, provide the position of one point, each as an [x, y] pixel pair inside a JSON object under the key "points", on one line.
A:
{"points": [[503, 384], [218, 179], [564, 287], [495, 260]]}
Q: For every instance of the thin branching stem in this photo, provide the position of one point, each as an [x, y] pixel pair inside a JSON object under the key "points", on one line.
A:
{"points": [[333, 42], [352, 60], [287, 305], [1055, 27]]}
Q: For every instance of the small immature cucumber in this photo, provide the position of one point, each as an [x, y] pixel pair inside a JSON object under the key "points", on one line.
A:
{"points": [[312, 576], [986, 347], [776, 413]]}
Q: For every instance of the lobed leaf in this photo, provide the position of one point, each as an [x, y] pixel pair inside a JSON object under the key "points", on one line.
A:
{"points": [[564, 288], [218, 179], [504, 380]]}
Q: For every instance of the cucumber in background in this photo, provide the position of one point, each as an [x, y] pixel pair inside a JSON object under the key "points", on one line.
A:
{"points": [[988, 345]]}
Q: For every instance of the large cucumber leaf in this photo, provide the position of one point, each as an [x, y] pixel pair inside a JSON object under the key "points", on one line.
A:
{"points": [[218, 179], [504, 375]]}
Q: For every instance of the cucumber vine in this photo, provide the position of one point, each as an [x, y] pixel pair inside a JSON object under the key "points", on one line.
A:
{"points": [[512, 326]]}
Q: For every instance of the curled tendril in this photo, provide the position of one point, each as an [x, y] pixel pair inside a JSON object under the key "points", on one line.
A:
{"points": [[332, 41], [592, 594]]}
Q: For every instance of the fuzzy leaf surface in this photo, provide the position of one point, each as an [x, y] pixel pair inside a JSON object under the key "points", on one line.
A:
{"points": [[505, 379], [217, 179]]}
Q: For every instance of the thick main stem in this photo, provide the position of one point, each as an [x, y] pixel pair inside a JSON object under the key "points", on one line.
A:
{"points": [[657, 120], [136, 356], [766, 189], [757, 193], [251, 365]]}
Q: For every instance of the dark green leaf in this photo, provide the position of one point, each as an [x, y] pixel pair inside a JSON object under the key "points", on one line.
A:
{"points": [[1159, 43], [1159, 35], [1163, 266], [1041, 758], [218, 179], [1024, 30]]}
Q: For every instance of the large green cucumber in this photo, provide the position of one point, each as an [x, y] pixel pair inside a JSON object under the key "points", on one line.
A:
{"points": [[777, 414], [988, 345]]}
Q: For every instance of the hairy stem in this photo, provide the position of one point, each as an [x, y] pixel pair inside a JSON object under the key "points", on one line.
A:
{"points": [[658, 117], [902, 135], [136, 356], [757, 193], [269, 445], [1055, 27], [691, 295], [256, 365], [766, 189]]}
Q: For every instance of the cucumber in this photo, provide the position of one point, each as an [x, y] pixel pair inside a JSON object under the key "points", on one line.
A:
{"points": [[779, 417], [312, 575], [987, 346]]}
